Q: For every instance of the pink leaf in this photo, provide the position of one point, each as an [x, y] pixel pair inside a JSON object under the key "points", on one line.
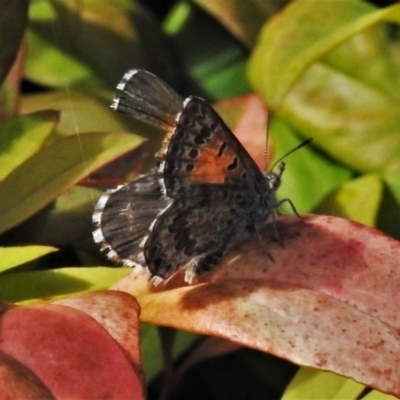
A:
{"points": [[72, 354], [18, 382], [118, 313], [329, 300]]}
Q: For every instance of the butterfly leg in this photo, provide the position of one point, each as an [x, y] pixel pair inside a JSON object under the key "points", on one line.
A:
{"points": [[277, 236], [286, 200], [276, 211], [264, 245]]}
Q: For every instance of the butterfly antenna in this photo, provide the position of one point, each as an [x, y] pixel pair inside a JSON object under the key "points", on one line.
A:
{"points": [[305, 143]]}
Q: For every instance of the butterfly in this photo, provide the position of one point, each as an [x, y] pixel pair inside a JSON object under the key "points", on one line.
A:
{"points": [[206, 194]]}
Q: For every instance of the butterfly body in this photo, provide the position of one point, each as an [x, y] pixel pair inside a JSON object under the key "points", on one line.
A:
{"points": [[205, 196]]}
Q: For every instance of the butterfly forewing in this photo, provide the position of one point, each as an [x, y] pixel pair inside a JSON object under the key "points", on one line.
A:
{"points": [[148, 99], [202, 149]]}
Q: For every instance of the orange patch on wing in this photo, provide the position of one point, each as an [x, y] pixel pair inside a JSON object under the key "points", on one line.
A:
{"points": [[213, 169]]}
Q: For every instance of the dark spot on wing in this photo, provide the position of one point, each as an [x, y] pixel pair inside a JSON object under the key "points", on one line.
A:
{"points": [[189, 167], [233, 164], [193, 153], [222, 149], [205, 132], [198, 139]]}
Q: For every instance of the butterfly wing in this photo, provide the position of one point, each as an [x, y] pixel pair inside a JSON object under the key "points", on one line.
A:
{"points": [[212, 188], [146, 98], [123, 218], [196, 232], [202, 149]]}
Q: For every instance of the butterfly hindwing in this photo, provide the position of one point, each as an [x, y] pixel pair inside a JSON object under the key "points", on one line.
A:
{"points": [[123, 218], [196, 232]]}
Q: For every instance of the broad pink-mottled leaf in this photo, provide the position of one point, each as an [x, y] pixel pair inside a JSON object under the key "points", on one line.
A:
{"points": [[71, 353], [117, 312], [333, 285], [18, 382]]}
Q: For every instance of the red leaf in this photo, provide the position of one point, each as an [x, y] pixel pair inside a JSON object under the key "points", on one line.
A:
{"points": [[333, 285], [18, 382], [118, 313], [69, 351]]}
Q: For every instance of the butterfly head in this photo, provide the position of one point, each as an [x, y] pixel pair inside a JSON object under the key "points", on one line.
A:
{"points": [[274, 179]]}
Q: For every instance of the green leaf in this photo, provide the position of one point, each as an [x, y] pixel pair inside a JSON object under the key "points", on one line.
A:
{"points": [[83, 112], [55, 169], [351, 122], [314, 77], [358, 200], [92, 43], [64, 222], [23, 286], [23, 136], [375, 395], [288, 46], [311, 384], [308, 176], [152, 360], [13, 19], [12, 256]]}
